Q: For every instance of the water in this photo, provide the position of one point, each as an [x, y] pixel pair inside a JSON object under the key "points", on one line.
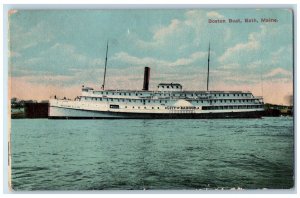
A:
{"points": [[152, 154]]}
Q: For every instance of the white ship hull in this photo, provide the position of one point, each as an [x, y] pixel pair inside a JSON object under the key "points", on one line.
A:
{"points": [[61, 112], [78, 110]]}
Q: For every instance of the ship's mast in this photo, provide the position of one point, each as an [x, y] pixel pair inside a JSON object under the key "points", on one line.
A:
{"points": [[103, 85], [208, 66]]}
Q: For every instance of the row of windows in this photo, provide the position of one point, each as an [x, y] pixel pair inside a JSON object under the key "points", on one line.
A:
{"points": [[242, 94], [168, 86], [203, 108], [123, 100], [120, 93], [226, 101], [232, 107], [181, 94], [162, 101], [238, 100], [138, 107], [120, 100]]}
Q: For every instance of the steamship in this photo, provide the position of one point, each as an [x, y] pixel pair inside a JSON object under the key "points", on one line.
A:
{"points": [[169, 100]]}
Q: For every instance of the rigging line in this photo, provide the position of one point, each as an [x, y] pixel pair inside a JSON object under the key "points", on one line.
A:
{"points": [[208, 67], [103, 85]]}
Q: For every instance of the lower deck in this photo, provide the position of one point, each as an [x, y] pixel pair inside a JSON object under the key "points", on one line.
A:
{"points": [[69, 113]]}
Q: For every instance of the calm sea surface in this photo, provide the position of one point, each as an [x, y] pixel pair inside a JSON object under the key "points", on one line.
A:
{"points": [[152, 154]]}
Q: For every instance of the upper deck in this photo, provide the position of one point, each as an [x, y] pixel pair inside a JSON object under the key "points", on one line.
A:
{"points": [[167, 91]]}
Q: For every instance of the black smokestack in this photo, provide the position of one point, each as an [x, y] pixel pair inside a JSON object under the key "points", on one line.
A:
{"points": [[146, 78]]}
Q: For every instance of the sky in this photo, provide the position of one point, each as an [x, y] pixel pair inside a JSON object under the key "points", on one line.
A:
{"points": [[55, 52]]}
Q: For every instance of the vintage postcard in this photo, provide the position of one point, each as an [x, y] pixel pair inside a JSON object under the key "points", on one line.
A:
{"points": [[151, 99]]}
